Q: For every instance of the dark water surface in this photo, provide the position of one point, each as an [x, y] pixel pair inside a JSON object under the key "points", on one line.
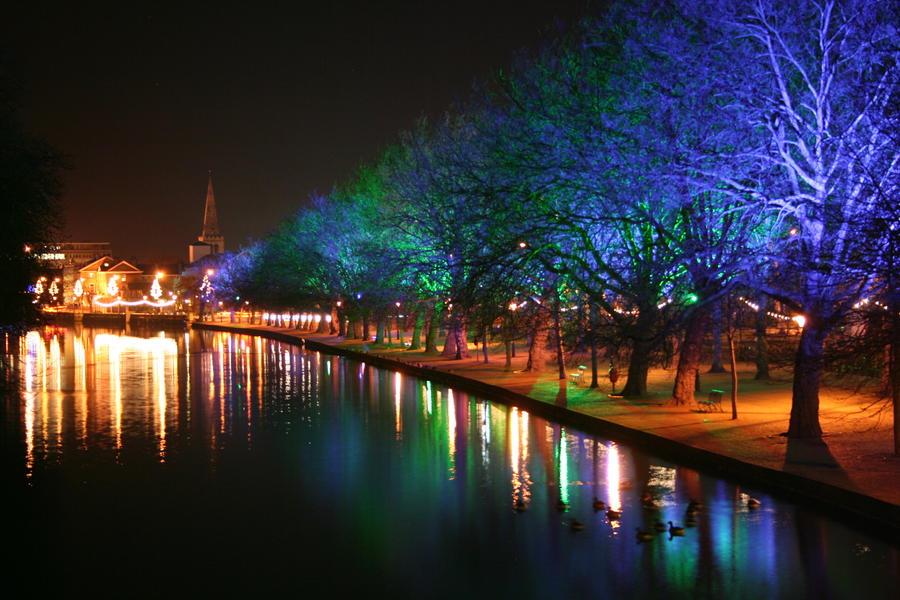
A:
{"points": [[221, 465]]}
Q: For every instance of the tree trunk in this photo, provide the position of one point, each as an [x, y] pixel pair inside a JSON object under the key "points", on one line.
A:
{"points": [[894, 368], [808, 365], [365, 328], [455, 345], [342, 326], [689, 359], [431, 334], [594, 363], [462, 342], [449, 345], [895, 394], [638, 367], [716, 366], [380, 326], [762, 346], [508, 346], [484, 342], [734, 377], [557, 341], [537, 349], [415, 342], [641, 348]]}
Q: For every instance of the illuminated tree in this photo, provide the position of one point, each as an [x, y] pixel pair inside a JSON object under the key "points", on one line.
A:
{"points": [[816, 79], [78, 290], [155, 289]]}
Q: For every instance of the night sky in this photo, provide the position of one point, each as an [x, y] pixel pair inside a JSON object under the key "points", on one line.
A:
{"points": [[277, 100]]}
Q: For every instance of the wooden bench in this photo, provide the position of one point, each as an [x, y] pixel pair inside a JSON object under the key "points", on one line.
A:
{"points": [[712, 403], [575, 376]]}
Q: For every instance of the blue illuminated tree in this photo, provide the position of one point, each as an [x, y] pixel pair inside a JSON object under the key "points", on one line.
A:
{"points": [[816, 80]]}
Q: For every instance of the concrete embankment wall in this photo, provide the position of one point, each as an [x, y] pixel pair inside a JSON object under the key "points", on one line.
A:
{"points": [[118, 320]]}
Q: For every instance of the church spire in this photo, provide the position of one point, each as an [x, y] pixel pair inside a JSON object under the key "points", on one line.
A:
{"points": [[210, 220], [211, 234]]}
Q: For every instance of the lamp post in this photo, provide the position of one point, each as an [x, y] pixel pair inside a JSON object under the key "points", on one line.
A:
{"points": [[399, 328], [512, 342]]}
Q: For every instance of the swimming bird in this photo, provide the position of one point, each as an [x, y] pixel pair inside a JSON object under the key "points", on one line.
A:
{"points": [[659, 525], [752, 503], [643, 536], [648, 502], [576, 525], [598, 504], [613, 514], [673, 530]]}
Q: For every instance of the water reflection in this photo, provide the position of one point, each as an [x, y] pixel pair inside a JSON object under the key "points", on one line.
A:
{"points": [[261, 450]]}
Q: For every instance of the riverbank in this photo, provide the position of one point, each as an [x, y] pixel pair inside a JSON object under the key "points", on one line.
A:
{"points": [[854, 475]]}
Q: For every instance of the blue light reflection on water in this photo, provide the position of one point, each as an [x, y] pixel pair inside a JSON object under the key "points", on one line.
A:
{"points": [[227, 462]]}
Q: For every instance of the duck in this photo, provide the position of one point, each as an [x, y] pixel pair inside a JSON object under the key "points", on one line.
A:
{"points": [[659, 525], [576, 525], [675, 530], [598, 504], [521, 506], [648, 502], [643, 536], [613, 514], [561, 506], [753, 503]]}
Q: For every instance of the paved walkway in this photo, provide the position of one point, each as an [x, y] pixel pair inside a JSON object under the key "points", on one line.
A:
{"points": [[857, 458]]}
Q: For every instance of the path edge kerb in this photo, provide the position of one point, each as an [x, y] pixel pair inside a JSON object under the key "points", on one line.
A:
{"points": [[876, 516]]}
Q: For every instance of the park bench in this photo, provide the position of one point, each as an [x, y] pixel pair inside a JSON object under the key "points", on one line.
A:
{"points": [[575, 376], [712, 403]]}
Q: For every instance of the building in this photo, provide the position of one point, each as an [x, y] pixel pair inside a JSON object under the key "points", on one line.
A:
{"points": [[211, 241], [60, 261], [71, 254], [97, 276]]}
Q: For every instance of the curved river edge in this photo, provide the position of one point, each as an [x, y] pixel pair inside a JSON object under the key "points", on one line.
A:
{"points": [[877, 517]]}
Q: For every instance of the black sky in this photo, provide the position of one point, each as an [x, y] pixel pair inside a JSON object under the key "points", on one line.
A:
{"points": [[278, 100]]}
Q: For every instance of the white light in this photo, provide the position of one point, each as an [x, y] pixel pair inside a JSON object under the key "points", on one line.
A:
{"points": [[120, 302]]}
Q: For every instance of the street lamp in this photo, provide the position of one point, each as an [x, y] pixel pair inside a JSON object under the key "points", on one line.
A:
{"points": [[512, 343]]}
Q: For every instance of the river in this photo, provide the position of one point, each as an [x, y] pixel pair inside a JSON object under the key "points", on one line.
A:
{"points": [[222, 464]]}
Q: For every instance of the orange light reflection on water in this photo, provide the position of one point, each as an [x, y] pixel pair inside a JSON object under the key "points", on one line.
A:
{"points": [[614, 501], [398, 419], [451, 434], [518, 456]]}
